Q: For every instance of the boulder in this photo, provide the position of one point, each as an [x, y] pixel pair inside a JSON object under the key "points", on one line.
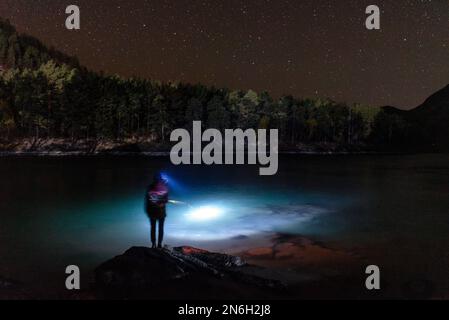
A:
{"points": [[172, 273]]}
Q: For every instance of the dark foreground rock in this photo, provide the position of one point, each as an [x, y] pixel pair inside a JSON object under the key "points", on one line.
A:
{"points": [[181, 273]]}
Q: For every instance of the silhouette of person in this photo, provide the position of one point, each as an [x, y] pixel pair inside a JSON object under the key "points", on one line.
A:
{"points": [[156, 199]]}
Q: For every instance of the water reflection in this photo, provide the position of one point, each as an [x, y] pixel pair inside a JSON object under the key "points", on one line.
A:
{"points": [[57, 212]]}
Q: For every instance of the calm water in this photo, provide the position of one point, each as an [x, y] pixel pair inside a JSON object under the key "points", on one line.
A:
{"points": [[55, 212]]}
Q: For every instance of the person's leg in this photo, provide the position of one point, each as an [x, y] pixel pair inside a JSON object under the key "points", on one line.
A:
{"points": [[153, 232], [161, 232]]}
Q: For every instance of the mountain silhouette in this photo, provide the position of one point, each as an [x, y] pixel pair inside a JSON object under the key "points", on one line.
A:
{"points": [[428, 124], [24, 51], [432, 117]]}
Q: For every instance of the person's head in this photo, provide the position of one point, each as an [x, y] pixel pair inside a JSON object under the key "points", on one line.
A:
{"points": [[159, 177]]}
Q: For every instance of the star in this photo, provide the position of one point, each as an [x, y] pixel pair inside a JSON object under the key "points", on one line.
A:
{"points": [[319, 46]]}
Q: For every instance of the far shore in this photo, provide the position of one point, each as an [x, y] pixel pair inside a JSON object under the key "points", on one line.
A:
{"points": [[160, 153], [146, 147]]}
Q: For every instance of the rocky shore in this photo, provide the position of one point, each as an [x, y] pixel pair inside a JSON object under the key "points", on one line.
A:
{"points": [[68, 147], [62, 147]]}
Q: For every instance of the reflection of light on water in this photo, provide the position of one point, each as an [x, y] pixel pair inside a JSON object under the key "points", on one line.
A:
{"points": [[238, 221], [114, 225], [205, 213]]}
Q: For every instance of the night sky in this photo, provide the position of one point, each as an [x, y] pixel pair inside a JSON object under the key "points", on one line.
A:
{"points": [[308, 48]]}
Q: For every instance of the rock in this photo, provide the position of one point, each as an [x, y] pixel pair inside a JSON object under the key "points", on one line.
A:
{"points": [[141, 267], [218, 260], [148, 273], [263, 252], [285, 250]]}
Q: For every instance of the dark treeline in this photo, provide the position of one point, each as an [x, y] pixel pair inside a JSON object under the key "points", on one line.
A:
{"points": [[45, 94]]}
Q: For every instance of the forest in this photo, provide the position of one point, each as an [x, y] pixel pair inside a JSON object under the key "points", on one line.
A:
{"points": [[45, 94]]}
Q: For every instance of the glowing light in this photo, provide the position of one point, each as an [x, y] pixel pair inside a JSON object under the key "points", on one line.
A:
{"points": [[165, 177], [205, 213]]}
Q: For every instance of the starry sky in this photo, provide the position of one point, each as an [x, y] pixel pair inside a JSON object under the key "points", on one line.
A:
{"points": [[307, 48]]}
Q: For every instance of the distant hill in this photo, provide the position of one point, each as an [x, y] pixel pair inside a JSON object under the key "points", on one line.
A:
{"points": [[437, 103], [427, 126], [429, 122], [23, 51], [433, 116]]}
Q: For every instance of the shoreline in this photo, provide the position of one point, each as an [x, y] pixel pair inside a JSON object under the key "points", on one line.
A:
{"points": [[148, 148], [62, 154]]}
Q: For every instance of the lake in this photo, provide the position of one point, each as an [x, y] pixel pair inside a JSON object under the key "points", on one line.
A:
{"points": [[84, 210]]}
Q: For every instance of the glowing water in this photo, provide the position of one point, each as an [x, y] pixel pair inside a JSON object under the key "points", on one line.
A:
{"points": [[205, 213], [56, 212]]}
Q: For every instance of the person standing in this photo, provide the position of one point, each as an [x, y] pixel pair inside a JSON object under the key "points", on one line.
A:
{"points": [[156, 199]]}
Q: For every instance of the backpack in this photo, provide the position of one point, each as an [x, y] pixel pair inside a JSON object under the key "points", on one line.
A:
{"points": [[157, 196]]}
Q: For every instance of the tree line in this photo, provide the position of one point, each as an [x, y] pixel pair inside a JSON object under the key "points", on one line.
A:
{"points": [[46, 94]]}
